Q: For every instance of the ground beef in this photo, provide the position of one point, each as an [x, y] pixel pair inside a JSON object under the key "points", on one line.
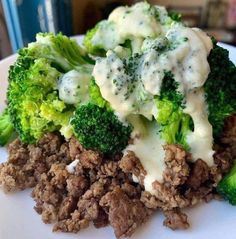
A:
{"points": [[74, 200], [125, 214], [101, 189], [198, 175], [131, 164], [77, 185], [175, 219], [75, 148], [15, 174], [177, 168], [90, 159], [67, 206]]}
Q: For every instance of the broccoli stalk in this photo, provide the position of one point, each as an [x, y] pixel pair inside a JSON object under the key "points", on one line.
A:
{"points": [[99, 129], [6, 128], [227, 186]]}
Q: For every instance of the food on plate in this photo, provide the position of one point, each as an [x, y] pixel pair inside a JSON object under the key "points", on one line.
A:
{"points": [[138, 119]]}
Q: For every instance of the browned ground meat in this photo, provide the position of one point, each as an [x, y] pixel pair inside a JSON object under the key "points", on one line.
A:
{"points": [[101, 189], [175, 219], [125, 214]]}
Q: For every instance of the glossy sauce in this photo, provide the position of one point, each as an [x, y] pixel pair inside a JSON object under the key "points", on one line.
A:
{"points": [[184, 54], [148, 147]]}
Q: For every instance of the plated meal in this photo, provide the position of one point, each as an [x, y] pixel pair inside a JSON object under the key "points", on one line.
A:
{"points": [[140, 118]]}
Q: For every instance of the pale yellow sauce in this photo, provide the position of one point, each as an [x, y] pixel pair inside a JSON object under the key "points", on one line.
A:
{"points": [[148, 147], [186, 60]]}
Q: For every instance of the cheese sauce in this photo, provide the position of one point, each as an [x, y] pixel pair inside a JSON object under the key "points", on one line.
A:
{"points": [[161, 48], [136, 22], [73, 87], [148, 147]]}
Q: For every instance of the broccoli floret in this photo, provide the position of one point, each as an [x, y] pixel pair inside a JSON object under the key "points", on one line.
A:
{"points": [[90, 47], [33, 103], [33, 100], [6, 128], [99, 129], [96, 96], [220, 88], [64, 53], [73, 86], [175, 16], [227, 186], [175, 124]]}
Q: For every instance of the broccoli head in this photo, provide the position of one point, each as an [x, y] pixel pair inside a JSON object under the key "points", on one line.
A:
{"points": [[227, 186], [175, 16], [175, 124], [64, 53], [33, 103], [220, 88], [94, 49], [6, 128], [99, 129]]}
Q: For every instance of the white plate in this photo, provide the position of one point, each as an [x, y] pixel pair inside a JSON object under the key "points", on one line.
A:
{"points": [[18, 220]]}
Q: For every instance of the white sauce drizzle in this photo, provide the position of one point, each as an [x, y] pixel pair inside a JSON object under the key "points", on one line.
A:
{"points": [[135, 23], [148, 147], [201, 139], [114, 84], [186, 60]]}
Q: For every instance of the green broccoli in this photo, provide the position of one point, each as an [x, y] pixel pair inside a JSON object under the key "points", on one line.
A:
{"points": [[175, 16], [96, 97], [33, 99], [6, 128], [227, 186], [64, 53], [33, 103], [99, 129], [220, 88], [90, 47], [175, 125]]}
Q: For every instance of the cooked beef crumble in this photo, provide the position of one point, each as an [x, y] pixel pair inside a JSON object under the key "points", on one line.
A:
{"points": [[101, 189]]}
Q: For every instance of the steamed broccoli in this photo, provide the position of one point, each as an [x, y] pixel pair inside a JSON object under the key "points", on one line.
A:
{"points": [[227, 186], [94, 49], [33, 103], [96, 97], [64, 53], [99, 129], [115, 31], [175, 125], [220, 88], [6, 128], [33, 99], [175, 16]]}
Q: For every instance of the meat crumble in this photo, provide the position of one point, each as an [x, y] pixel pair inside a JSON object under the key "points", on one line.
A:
{"points": [[101, 189]]}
